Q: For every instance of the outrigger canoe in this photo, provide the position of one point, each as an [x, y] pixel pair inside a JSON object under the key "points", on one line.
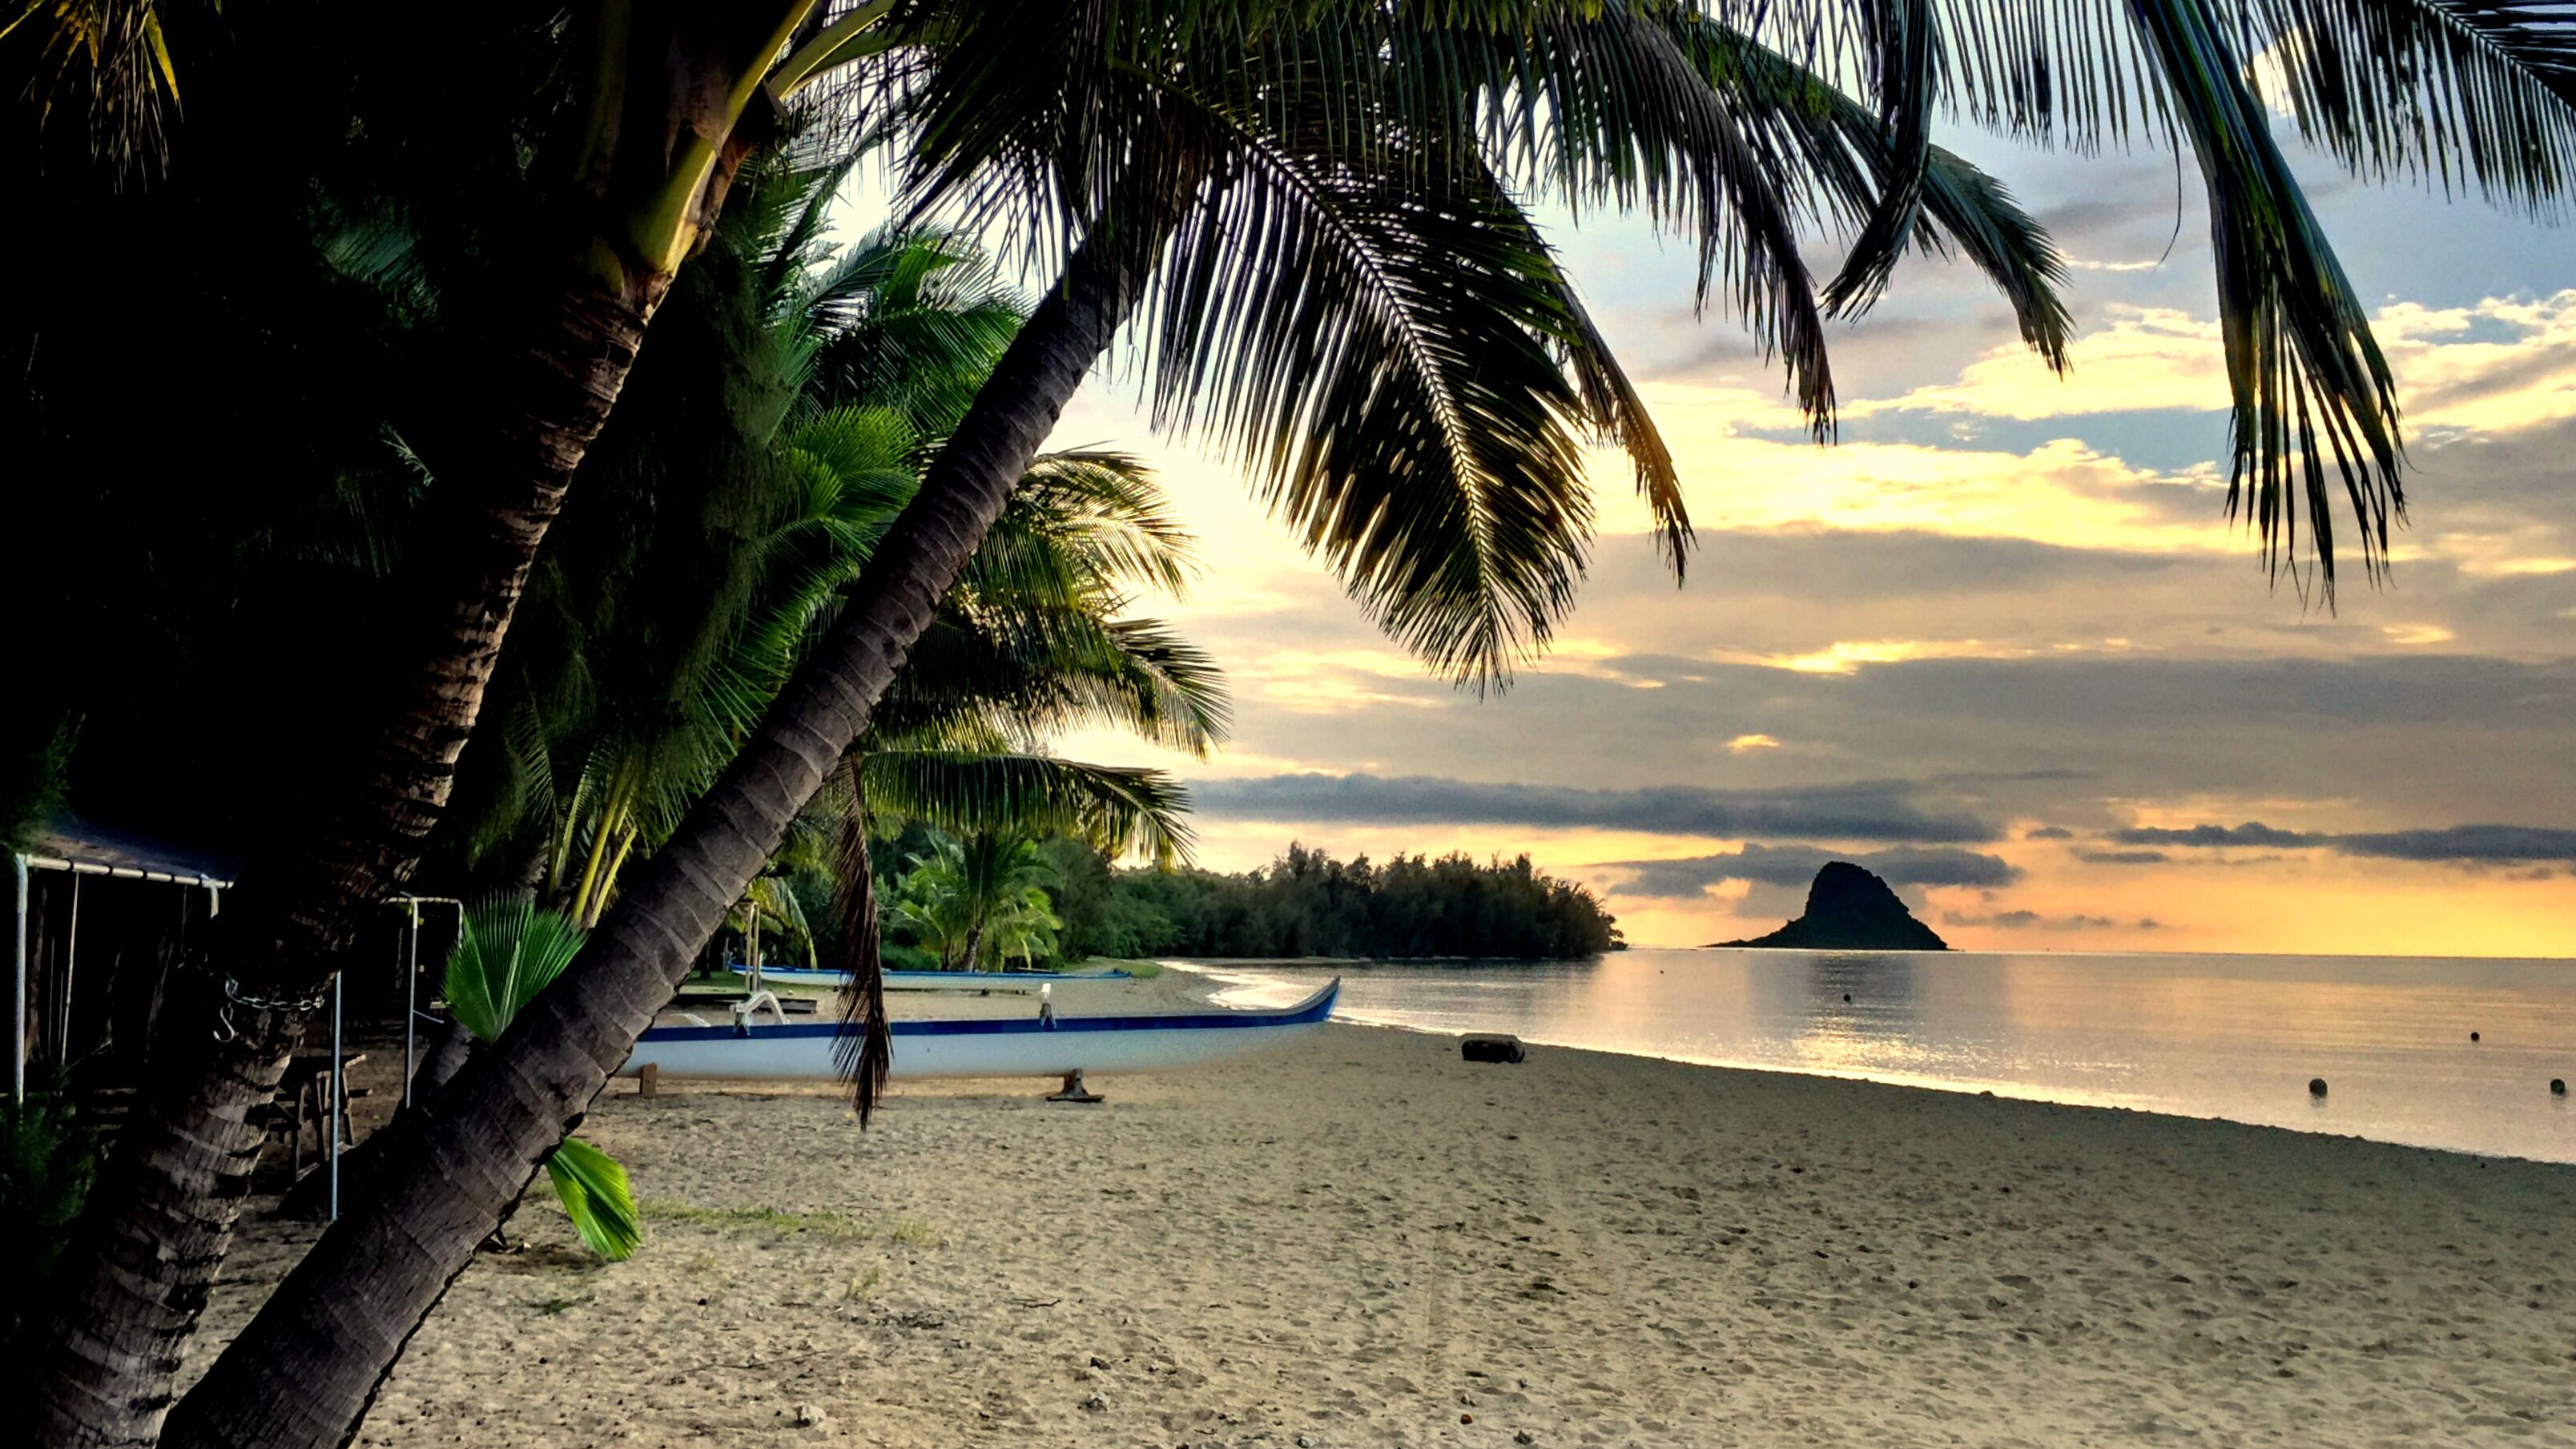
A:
{"points": [[1021, 1046], [1020, 981]]}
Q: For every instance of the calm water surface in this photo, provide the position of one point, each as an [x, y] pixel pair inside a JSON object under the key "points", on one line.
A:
{"points": [[2204, 1036]]}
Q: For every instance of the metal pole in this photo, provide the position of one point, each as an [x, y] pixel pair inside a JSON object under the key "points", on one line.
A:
{"points": [[332, 1109], [411, 992], [18, 1018], [71, 959]]}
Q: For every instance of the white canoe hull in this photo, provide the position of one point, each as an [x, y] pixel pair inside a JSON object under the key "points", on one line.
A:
{"points": [[985, 1047], [1024, 983]]}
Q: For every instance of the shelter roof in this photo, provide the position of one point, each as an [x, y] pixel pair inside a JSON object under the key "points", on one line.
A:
{"points": [[79, 845]]}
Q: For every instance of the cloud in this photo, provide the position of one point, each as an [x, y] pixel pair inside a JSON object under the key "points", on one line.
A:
{"points": [[2049, 832], [2482, 844], [2025, 920], [2249, 833], [1742, 743], [2490, 843], [1867, 810], [1796, 865], [2123, 857]]}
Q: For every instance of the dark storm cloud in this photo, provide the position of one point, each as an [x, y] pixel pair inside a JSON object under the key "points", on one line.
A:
{"points": [[2123, 857], [2491, 843], [2438, 739], [1830, 565], [1796, 865], [2049, 832], [2250, 833], [2482, 844], [1867, 810]]}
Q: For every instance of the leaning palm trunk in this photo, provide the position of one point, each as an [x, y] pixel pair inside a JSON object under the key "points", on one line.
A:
{"points": [[164, 1206], [163, 1212], [307, 1367]]}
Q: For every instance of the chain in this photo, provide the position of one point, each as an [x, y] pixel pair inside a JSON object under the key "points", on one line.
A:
{"points": [[235, 996]]}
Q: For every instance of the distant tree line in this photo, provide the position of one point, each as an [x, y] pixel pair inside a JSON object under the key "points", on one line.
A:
{"points": [[1306, 903]]}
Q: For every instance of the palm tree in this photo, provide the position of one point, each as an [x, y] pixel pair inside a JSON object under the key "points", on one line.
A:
{"points": [[979, 898], [616, 206], [1350, 295]]}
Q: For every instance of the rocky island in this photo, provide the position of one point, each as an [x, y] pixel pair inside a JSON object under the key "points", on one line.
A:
{"points": [[1849, 909]]}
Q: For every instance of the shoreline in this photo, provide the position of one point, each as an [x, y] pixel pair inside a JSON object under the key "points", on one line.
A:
{"points": [[1362, 1240], [1250, 976]]}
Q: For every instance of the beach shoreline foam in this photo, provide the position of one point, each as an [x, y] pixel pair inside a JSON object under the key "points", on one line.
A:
{"points": [[1365, 1240]]}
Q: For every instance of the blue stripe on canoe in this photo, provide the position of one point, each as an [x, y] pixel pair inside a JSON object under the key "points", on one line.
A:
{"points": [[785, 971], [1318, 1007]]}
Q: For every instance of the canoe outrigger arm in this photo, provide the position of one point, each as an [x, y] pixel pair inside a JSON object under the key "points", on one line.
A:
{"points": [[749, 1007]]}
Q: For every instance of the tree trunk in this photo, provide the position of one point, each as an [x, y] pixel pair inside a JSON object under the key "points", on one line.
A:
{"points": [[305, 1370], [161, 1213], [310, 1199]]}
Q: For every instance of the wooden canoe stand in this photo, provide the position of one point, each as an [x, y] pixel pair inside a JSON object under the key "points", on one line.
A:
{"points": [[1074, 1090]]}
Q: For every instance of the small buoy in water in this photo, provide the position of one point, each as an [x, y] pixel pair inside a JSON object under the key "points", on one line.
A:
{"points": [[2473, 1036], [2558, 1086], [2316, 1086]]}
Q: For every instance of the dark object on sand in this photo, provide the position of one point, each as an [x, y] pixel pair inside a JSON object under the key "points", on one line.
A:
{"points": [[1849, 909], [2558, 1086], [1075, 1091], [1491, 1047], [2473, 1036], [2316, 1086]]}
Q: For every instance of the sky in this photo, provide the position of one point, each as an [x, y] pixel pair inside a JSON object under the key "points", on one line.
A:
{"points": [[1999, 642]]}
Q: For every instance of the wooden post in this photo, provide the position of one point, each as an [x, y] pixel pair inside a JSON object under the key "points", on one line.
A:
{"points": [[648, 1080], [1074, 1090]]}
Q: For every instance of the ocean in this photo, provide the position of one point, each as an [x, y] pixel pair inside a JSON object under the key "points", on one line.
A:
{"points": [[2237, 1037]]}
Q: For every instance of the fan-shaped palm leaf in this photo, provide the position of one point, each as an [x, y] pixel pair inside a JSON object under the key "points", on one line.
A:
{"points": [[597, 1197], [506, 951]]}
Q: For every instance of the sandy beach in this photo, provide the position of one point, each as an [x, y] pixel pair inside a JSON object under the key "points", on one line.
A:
{"points": [[1366, 1241]]}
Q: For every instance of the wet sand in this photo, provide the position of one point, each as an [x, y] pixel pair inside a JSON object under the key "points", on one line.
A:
{"points": [[1366, 1241]]}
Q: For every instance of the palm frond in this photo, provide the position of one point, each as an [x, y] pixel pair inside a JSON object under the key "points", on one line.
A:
{"points": [[1046, 669], [1977, 214], [1381, 364], [910, 320], [1108, 510], [108, 59], [1598, 105], [864, 1057], [597, 1196], [2466, 92], [1814, 130], [1117, 808], [2069, 73], [1903, 52], [2310, 385]]}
